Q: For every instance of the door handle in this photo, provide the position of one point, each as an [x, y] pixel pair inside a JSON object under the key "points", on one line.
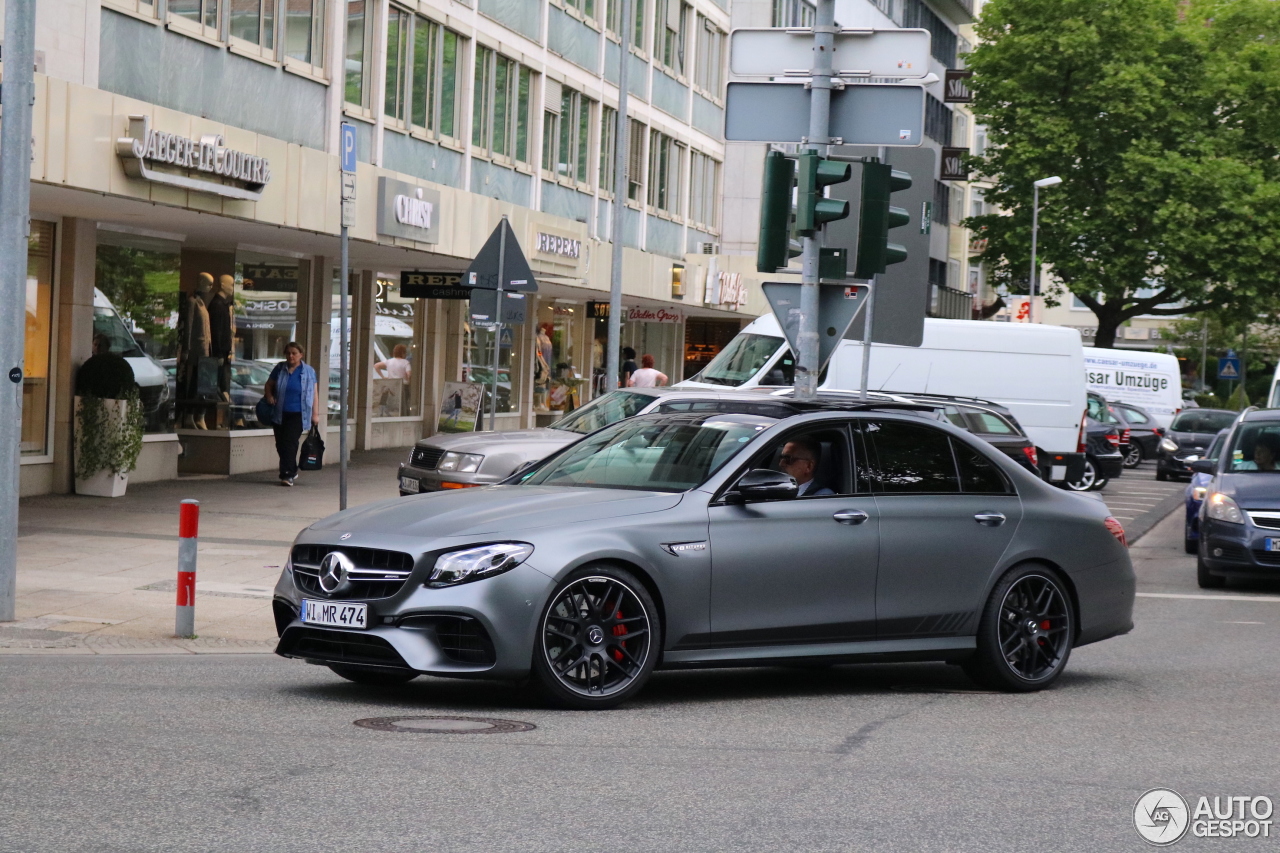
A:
{"points": [[990, 519], [850, 516]]}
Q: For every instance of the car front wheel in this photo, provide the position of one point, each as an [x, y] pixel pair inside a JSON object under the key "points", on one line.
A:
{"points": [[1088, 478], [1205, 578], [1134, 457], [1026, 632], [598, 640]]}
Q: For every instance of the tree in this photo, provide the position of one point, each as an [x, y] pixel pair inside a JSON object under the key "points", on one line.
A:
{"points": [[1161, 117]]}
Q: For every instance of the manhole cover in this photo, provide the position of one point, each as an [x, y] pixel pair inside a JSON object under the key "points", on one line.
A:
{"points": [[445, 725], [932, 688]]}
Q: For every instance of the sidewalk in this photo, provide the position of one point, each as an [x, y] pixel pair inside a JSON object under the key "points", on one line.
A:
{"points": [[97, 575]]}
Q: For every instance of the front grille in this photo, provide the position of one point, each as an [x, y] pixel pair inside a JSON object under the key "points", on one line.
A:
{"points": [[1270, 520], [378, 573], [151, 396], [461, 638], [426, 457], [342, 647], [1267, 558]]}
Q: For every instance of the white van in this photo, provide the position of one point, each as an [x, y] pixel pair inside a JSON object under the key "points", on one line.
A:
{"points": [[387, 332], [152, 381], [1035, 371], [1151, 380]]}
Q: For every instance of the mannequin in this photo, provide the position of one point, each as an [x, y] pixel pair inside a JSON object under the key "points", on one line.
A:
{"points": [[195, 349], [222, 336]]}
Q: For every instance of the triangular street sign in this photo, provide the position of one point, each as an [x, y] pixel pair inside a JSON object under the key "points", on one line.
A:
{"points": [[838, 304], [483, 271], [484, 306]]}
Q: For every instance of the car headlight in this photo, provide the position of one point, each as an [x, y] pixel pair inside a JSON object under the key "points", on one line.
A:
{"points": [[1168, 445], [1223, 508], [463, 463], [1198, 493], [473, 564]]}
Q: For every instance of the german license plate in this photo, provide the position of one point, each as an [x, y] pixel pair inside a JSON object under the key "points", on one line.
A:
{"points": [[1271, 544], [335, 613], [408, 484]]}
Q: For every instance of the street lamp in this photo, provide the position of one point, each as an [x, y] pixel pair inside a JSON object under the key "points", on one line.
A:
{"points": [[1035, 225]]}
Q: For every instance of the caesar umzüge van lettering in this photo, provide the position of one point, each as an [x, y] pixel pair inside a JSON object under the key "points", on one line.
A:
{"points": [[1150, 380]]}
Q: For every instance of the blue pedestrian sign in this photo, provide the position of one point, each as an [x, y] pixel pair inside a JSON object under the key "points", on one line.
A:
{"points": [[1229, 367], [347, 147]]}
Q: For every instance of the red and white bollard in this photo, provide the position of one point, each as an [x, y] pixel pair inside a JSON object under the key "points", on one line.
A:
{"points": [[188, 537]]}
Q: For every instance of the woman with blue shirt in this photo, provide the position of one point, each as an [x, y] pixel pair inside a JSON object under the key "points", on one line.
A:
{"points": [[292, 390]]}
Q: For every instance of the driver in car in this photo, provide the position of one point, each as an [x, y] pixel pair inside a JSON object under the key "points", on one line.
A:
{"points": [[800, 459], [1266, 452]]}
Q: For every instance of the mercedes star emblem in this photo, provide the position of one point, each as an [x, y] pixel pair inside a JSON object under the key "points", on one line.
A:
{"points": [[344, 537], [335, 570], [595, 636]]}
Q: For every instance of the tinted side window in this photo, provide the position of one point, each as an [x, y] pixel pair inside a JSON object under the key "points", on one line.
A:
{"points": [[688, 406], [991, 423], [1133, 416], [978, 474], [908, 458]]}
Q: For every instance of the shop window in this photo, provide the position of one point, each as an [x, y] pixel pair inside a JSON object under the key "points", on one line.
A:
{"points": [[566, 139], [704, 184], [663, 341], [253, 23], [136, 307], [359, 36], [558, 382], [304, 31], [670, 18], [478, 365], [39, 340], [708, 73], [665, 162], [500, 121], [396, 381], [203, 17]]}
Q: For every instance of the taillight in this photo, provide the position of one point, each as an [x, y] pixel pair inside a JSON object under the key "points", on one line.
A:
{"points": [[1116, 529], [1114, 438], [1081, 447], [1030, 452], [1124, 437]]}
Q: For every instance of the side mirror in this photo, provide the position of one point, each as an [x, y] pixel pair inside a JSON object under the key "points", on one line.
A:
{"points": [[763, 484], [1204, 466]]}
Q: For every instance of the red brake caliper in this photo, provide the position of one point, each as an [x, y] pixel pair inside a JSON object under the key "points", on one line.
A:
{"points": [[619, 631]]}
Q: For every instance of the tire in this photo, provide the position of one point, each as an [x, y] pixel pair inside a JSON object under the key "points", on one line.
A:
{"points": [[603, 620], [1026, 632], [1099, 484], [1161, 475], [1205, 578], [374, 677], [1087, 478], [1134, 457]]}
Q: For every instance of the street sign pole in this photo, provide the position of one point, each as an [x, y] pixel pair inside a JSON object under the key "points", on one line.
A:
{"points": [[15, 226], [867, 324], [497, 327], [347, 144], [807, 370], [621, 140]]}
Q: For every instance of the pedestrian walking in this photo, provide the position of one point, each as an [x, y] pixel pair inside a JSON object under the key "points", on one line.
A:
{"points": [[628, 366], [292, 390], [647, 376]]}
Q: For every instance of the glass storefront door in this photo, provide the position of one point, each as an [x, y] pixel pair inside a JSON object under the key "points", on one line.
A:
{"points": [[39, 340], [396, 384], [558, 380]]}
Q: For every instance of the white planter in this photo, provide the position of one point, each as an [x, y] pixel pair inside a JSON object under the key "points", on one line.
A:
{"points": [[103, 484]]}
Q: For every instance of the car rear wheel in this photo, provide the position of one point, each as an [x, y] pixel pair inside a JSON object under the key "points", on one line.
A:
{"points": [[1026, 632], [375, 677], [1205, 578], [1088, 477], [1134, 457], [598, 640]]}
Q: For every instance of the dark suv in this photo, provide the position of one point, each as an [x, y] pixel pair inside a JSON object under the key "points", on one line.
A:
{"points": [[1240, 513], [1187, 438]]}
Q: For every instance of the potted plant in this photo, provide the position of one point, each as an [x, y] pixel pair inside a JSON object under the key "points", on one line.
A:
{"points": [[109, 425]]}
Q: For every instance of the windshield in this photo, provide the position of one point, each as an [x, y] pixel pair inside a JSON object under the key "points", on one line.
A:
{"points": [[107, 322], [602, 411], [1202, 421], [740, 360], [1255, 447], [1099, 411], [672, 453]]}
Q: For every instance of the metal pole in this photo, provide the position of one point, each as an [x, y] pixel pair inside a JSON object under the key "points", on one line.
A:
{"points": [[867, 321], [184, 623], [344, 360], [497, 326], [1204, 355], [15, 227], [1035, 224], [621, 138]]}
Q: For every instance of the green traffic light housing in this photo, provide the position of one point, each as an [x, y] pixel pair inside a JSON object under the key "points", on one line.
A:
{"points": [[774, 248], [875, 252], [814, 174]]}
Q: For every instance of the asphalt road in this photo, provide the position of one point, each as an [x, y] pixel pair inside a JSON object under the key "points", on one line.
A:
{"points": [[255, 753], [1139, 501]]}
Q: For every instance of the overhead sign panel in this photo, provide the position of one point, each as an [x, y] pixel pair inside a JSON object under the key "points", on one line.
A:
{"points": [[837, 306], [863, 114], [483, 271], [756, 52]]}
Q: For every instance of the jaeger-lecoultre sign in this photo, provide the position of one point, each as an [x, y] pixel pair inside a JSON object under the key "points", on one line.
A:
{"points": [[144, 149]]}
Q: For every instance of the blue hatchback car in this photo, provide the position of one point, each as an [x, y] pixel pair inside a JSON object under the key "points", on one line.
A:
{"points": [[1240, 515], [1195, 493]]}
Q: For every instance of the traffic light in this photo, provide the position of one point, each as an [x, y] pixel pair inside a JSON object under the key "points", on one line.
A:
{"points": [[875, 252], [814, 175], [774, 248]]}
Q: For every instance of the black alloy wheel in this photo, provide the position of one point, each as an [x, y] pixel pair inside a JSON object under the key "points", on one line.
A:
{"points": [[598, 640], [374, 677], [1134, 457], [1088, 478], [1026, 633]]}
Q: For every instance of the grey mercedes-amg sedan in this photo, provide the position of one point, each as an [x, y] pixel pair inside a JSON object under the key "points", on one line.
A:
{"points": [[846, 533]]}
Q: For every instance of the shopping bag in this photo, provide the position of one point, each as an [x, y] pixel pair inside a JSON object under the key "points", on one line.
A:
{"points": [[312, 452], [265, 412]]}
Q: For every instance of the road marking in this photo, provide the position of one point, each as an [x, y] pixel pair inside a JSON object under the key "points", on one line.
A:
{"points": [[1244, 623], [1269, 598]]}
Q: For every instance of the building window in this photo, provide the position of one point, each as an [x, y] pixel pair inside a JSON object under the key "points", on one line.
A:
{"points": [[794, 13], [608, 137], [586, 7], [960, 129], [665, 161], [201, 16], [359, 35], [613, 16], [399, 32], [422, 74], [37, 348], [566, 136], [937, 272], [500, 121], [979, 141], [669, 34], [146, 8], [637, 30], [635, 161], [977, 205], [957, 206], [254, 22], [704, 183], [943, 42], [304, 31], [941, 203], [708, 72], [937, 120]]}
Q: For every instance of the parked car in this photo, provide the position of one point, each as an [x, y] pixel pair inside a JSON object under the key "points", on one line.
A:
{"points": [[1187, 439], [1100, 442], [248, 383], [1194, 496], [1240, 514], [593, 568], [1144, 432]]}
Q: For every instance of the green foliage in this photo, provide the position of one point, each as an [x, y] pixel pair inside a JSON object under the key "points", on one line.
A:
{"points": [[1238, 400], [1162, 117], [143, 286], [107, 440], [1209, 401]]}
